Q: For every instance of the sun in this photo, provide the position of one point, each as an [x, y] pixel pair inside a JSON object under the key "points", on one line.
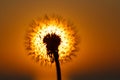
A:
{"points": [[40, 27]]}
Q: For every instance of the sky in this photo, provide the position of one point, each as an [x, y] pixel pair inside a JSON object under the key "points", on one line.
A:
{"points": [[97, 23]]}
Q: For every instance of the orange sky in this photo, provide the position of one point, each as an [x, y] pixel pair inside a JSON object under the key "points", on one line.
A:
{"points": [[97, 22]]}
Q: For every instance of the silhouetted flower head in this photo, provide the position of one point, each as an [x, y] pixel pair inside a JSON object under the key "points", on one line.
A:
{"points": [[46, 32]]}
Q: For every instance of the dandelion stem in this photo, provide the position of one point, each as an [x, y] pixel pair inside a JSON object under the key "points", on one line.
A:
{"points": [[58, 70]]}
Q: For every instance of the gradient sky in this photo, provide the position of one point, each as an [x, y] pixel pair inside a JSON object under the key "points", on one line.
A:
{"points": [[97, 23]]}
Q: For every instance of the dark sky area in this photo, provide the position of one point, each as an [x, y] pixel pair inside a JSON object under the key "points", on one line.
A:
{"points": [[97, 23]]}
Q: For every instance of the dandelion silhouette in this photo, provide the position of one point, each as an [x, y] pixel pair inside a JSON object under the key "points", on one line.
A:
{"points": [[51, 39], [52, 42]]}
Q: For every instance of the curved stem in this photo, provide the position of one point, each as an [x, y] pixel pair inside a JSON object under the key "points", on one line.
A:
{"points": [[57, 66]]}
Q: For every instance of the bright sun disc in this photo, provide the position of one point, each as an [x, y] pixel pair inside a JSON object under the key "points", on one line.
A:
{"points": [[48, 25]]}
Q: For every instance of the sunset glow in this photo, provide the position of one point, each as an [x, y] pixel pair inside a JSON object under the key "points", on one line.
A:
{"points": [[48, 25]]}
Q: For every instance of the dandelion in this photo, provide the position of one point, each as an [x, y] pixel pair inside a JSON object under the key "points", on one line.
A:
{"points": [[51, 39]]}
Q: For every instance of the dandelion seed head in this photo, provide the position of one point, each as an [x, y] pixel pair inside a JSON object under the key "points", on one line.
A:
{"points": [[40, 27]]}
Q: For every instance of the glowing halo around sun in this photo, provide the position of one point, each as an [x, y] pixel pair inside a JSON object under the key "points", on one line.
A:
{"points": [[40, 27]]}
